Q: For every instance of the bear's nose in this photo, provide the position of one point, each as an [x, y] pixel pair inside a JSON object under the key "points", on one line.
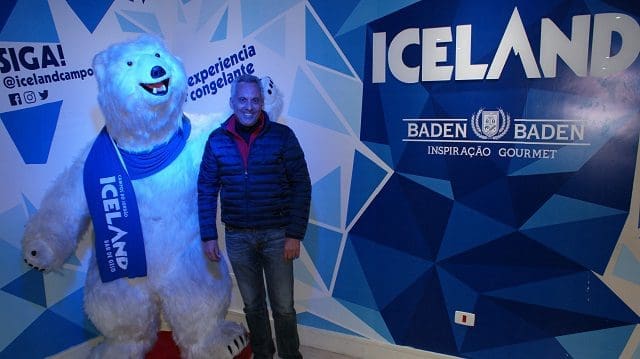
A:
{"points": [[157, 71]]}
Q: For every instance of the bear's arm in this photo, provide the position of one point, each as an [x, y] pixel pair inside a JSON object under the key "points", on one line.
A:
{"points": [[51, 235]]}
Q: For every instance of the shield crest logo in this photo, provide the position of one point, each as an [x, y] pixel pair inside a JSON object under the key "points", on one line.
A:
{"points": [[490, 123]]}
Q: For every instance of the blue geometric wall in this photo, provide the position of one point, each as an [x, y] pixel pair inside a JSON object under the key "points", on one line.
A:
{"points": [[516, 241]]}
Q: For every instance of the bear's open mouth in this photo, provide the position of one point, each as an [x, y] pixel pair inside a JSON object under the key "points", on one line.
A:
{"points": [[157, 88]]}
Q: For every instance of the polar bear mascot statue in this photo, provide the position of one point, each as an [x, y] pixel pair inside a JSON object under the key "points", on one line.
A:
{"points": [[273, 100], [134, 189]]}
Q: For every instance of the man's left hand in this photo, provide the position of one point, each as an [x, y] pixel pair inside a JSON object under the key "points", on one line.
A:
{"points": [[291, 248]]}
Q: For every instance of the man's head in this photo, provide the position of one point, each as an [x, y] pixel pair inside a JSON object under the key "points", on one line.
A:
{"points": [[246, 99]]}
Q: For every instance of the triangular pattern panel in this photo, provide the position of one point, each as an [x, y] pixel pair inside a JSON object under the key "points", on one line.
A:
{"points": [[90, 13], [319, 48], [628, 266], [37, 340], [325, 199], [274, 36], [598, 343], [16, 320], [351, 283], [323, 245], [221, 30], [29, 21], [580, 293], [32, 130], [370, 175], [257, 13], [311, 320], [345, 92], [387, 282], [309, 105]]}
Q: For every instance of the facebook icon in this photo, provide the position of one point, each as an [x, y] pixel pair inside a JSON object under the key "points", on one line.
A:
{"points": [[15, 99]]}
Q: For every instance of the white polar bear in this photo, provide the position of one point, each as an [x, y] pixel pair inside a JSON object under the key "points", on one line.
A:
{"points": [[142, 90]]}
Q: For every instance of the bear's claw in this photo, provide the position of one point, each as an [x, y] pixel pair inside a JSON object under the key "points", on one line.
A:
{"points": [[32, 266], [239, 343]]}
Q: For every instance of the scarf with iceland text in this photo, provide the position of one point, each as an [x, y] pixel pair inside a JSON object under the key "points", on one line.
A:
{"points": [[108, 172]]}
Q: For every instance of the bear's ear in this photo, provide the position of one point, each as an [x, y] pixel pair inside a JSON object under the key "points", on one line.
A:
{"points": [[99, 66], [272, 97]]}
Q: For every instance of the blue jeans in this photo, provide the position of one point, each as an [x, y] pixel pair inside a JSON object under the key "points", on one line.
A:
{"points": [[254, 256]]}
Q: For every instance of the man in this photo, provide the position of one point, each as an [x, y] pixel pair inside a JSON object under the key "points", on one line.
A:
{"points": [[259, 170]]}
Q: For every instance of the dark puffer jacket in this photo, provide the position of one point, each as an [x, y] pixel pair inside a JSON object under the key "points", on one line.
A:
{"points": [[265, 187]]}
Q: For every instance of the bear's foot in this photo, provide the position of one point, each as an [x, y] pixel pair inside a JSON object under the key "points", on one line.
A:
{"points": [[110, 348], [239, 343], [226, 340]]}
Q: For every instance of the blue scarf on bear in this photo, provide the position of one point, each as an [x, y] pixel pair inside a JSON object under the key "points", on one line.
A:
{"points": [[108, 172]]}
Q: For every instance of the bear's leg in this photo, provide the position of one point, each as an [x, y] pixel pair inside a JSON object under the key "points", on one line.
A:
{"points": [[125, 312], [195, 299]]}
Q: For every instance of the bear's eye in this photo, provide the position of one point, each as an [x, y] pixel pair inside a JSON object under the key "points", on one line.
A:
{"points": [[129, 63], [157, 54]]}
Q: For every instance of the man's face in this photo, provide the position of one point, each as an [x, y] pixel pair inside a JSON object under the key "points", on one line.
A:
{"points": [[247, 103]]}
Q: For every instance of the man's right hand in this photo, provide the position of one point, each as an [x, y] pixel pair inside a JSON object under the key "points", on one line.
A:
{"points": [[211, 250]]}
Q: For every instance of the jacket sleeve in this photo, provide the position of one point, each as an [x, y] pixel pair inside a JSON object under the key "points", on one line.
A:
{"points": [[299, 185], [208, 188]]}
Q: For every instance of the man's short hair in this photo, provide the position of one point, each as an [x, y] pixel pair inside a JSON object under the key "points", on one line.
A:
{"points": [[247, 79]]}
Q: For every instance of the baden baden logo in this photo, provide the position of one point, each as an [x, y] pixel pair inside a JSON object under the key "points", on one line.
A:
{"points": [[490, 125], [538, 138]]}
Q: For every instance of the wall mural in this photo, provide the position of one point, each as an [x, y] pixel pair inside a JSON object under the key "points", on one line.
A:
{"points": [[472, 162]]}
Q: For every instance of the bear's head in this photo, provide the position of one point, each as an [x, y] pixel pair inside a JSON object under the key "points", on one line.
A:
{"points": [[273, 101], [141, 90]]}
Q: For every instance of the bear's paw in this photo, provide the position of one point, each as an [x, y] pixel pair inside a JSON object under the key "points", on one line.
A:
{"points": [[38, 254], [238, 344]]}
